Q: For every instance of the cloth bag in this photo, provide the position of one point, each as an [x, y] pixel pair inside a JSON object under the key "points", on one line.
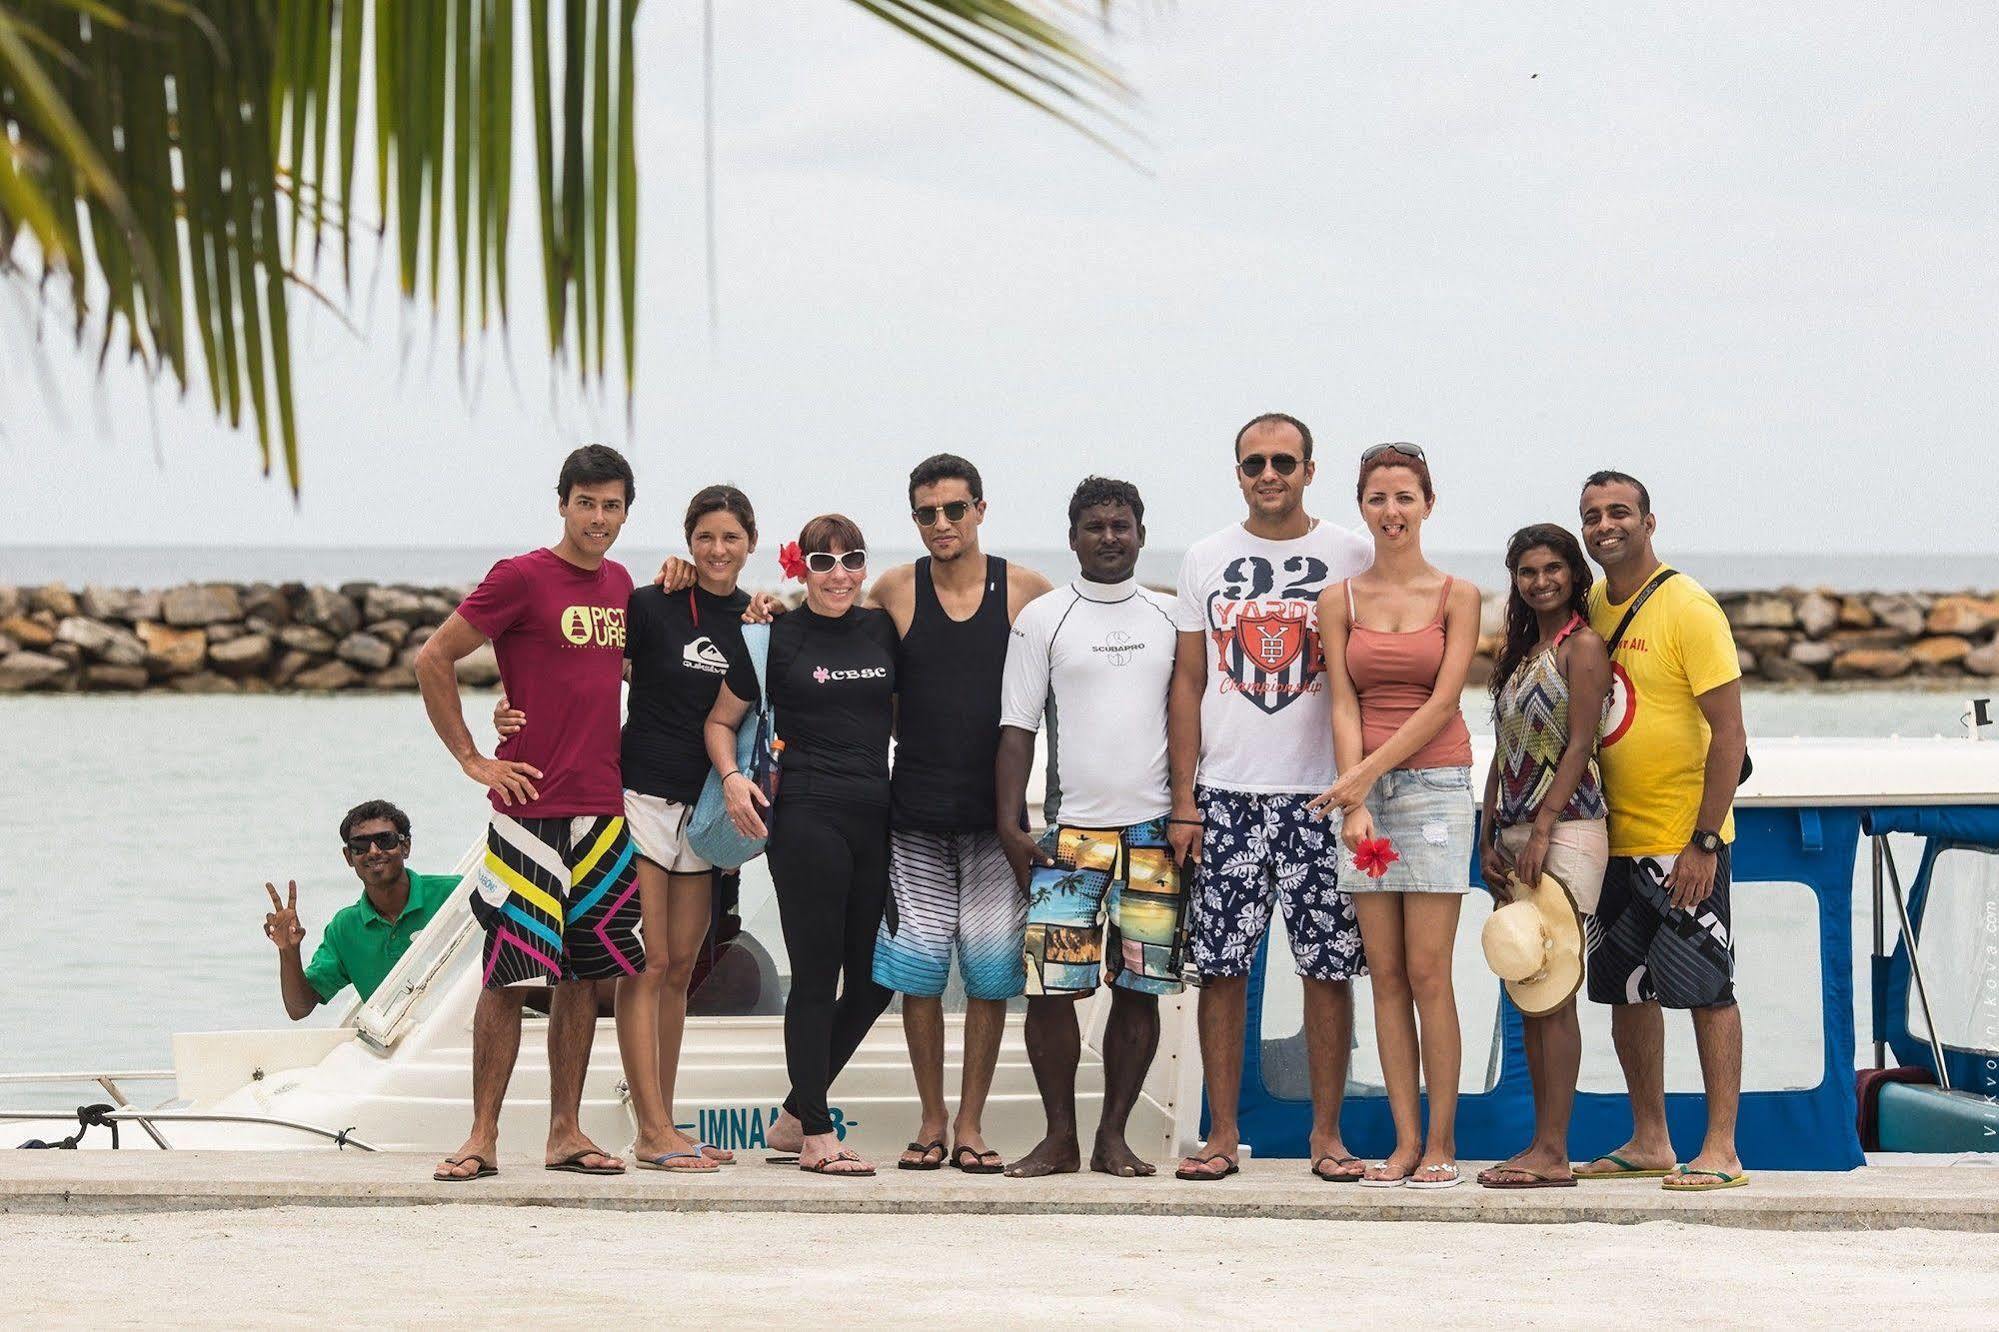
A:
{"points": [[710, 832]]}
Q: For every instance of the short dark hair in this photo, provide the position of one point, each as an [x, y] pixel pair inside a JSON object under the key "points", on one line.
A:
{"points": [[370, 810], [721, 499], [829, 530], [1276, 418], [945, 467], [593, 465], [1609, 477], [1095, 490]]}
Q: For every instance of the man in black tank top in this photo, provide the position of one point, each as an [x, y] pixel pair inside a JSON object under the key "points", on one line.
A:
{"points": [[949, 881]]}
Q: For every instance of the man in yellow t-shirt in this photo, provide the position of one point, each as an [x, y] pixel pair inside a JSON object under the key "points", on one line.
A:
{"points": [[1671, 757]]}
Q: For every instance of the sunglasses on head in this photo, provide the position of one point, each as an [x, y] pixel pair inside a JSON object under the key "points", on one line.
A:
{"points": [[1254, 464], [1406, 450], [953, 512], [822, 561], [381, 841]]}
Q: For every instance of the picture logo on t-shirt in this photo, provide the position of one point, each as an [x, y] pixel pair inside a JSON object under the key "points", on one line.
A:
{"points": [[1622, 709], [703, 655], [822, 675], [594, 626], [1118, 646], [1264, 625]]}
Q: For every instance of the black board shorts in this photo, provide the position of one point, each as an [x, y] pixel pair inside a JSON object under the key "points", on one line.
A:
{"points": [[1646, 950]]}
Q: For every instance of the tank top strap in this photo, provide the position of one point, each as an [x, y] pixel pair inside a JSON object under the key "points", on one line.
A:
{"points": [[994, 605], [1444, 600], [925, 603], [1575, 623], [1353, 616]]}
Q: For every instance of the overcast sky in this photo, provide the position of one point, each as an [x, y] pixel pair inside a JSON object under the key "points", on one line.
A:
{"points": [[1750, 252]]}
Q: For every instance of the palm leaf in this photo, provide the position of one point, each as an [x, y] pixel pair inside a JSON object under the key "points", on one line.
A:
{"points": [[165, 164]]}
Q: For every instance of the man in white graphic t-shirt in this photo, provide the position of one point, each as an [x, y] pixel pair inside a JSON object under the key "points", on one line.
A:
{"points": [[1251, 743]]}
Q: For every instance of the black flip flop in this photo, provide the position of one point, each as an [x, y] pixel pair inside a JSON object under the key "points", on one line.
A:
{"points": [[485, 1171], [1342, 1176], [782, 1159], [821, 1168], [1208, 1176], [926, 1163], [978, 1165], [572, 1164]]}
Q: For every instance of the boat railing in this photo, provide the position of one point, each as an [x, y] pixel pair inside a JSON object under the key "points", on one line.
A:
{"points": [[122, 1111]]}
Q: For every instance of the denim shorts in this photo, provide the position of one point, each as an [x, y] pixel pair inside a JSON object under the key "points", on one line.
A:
{"points": [[1427, 814]]}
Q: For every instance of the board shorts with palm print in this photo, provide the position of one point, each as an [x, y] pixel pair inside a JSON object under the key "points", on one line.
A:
{"points": [[1120, 880], [1259, 848]]}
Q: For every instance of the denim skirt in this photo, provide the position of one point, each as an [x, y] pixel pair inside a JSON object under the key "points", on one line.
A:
{"points": [[1427, 813]]}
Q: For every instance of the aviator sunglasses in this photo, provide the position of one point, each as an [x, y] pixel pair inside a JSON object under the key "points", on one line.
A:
{"points": [[953, 512], [1406, 450], [381, 841], [822, 561], [1253, 465]]}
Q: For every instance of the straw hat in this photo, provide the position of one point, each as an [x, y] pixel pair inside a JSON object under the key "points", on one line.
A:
{"points": [[1534, 943]]}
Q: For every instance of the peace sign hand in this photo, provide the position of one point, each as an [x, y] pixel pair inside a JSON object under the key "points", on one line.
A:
{"points": [[281, 926]]}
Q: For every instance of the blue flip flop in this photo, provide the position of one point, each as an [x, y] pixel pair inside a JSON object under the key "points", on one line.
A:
{"points": [[703, 1148], [660, 1163]]}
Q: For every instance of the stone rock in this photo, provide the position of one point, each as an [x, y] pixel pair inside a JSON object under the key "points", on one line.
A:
{"points": [[1818, 614], [204, 682], [1900, 611], [437, 607], [333, 675], [366, 651], [1479, 675], [55, 599], [106, 675], [1962, 615], [28, 633], [1782, 670], [1745, 660], [307, 638], [392, 603], [200, 604], [1847, 640], [31, 670], [102, 642], [1490, 646], [264, 602], [68, 652], [419, 635], [1853, 614], [355, 592], [1762, 611], [290, 664], [1871, 664], [257, 684], [479, 668], [1807, 653], [394, 678], [105, 603], [1982, 660], [1942, 651], [393, 632], [171, 651], [222, 633], [326, 609], [1492, 616], [12, 603], [143, 605], [1763, 641], [241, 656]]}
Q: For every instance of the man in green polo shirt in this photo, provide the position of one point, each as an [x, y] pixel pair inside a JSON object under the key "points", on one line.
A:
{"points": [[364, 940]]}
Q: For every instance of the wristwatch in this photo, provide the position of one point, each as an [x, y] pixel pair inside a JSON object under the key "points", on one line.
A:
{"points": [[1707, 841]]}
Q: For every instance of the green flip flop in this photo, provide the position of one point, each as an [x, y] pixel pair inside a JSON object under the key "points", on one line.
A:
{"points": [[1625, 1170]]}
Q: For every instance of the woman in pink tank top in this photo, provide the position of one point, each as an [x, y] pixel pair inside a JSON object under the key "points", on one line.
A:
{"points": [[1398, 641]]}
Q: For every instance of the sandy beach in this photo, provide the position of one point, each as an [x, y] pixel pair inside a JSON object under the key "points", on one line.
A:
{"points": [[521, 1266]]}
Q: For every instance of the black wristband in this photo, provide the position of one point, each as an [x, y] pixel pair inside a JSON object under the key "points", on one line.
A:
{"points": [[1189, 823]]}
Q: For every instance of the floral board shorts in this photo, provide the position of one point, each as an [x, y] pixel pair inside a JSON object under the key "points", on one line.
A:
{"points": [[1118, 879], [1256, 848], [1427, 814]]}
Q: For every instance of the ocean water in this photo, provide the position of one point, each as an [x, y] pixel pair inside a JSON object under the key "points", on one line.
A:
{"points": [[137, 834], [152, 566]]}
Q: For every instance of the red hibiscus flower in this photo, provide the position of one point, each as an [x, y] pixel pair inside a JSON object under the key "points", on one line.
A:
{"points": [[790, 561], [1374, 855]]}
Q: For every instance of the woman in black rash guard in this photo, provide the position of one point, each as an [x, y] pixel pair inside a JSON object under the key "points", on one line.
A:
{"points": [[831, 674]]}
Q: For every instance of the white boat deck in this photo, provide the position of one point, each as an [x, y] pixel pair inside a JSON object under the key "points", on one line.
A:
{"points": [[1936, 1197]]}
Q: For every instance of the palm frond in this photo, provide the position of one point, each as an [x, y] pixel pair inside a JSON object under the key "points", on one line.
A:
{"points": [[175, 165]]}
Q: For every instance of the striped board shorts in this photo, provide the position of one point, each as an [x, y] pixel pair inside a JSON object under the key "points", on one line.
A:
{"points": [[559, 901], [950, 889]]}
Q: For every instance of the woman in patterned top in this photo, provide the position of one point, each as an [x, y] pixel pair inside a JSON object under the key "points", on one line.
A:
{"points": [[1544, 809]]}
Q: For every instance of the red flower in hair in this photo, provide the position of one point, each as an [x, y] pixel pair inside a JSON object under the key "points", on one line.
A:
{"points": [[790, 561], [1374, 855]]}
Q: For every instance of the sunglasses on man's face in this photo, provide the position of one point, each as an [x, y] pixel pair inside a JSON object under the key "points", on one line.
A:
{"points": [[1406, 450], [953, 512], [381, 841], [1284, 463], [822, 561]]}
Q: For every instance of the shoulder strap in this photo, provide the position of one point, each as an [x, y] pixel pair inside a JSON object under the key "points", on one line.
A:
{"points": [[1444, 600], [756, 640], [1575, 623], [1353, 616], [1638, 602]]}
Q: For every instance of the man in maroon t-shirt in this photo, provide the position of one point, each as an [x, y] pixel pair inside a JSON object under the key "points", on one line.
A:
{"points": [[557, 893]]}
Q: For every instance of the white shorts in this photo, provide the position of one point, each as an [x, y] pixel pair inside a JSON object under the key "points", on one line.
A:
{"points": [[658, 828], [1578, 855]]}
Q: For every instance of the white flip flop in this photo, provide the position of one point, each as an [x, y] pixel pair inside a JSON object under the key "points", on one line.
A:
{"points": [[1449, 1182]]}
